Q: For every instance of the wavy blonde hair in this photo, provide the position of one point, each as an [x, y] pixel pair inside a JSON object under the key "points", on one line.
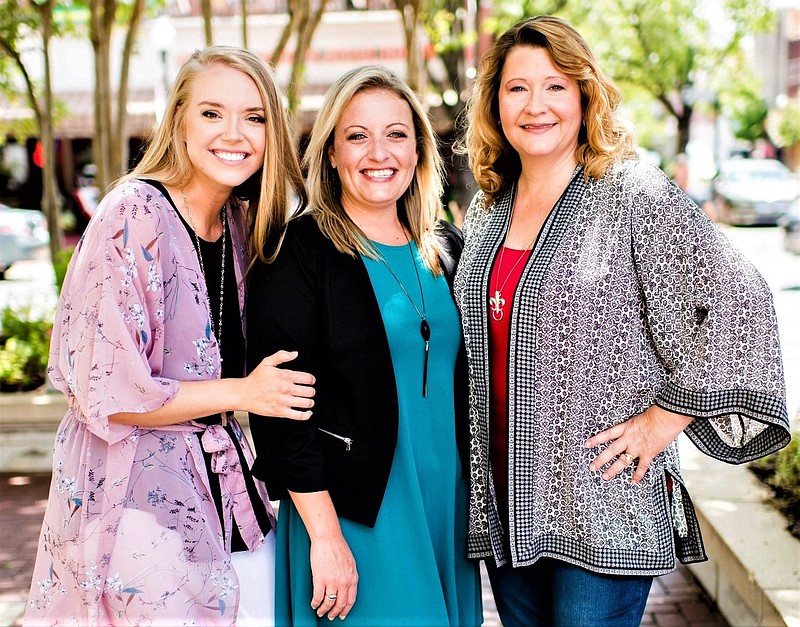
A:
{"points": [[275, 190], [419, 206], [603, 139]]}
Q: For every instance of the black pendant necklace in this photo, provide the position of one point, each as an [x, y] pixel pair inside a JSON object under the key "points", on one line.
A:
{"points": [[424, 327]]}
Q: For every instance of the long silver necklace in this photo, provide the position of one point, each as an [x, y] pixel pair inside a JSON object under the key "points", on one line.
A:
{"points": [[218, 329], [424, 327]]}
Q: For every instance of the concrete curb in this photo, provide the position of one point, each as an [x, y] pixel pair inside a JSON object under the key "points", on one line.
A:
{"points": [[753, 572]]}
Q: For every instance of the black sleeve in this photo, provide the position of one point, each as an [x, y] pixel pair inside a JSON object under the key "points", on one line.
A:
{"points": [[282, 314]]}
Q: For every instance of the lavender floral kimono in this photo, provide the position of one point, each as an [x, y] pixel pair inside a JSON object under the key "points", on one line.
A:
{"points": [[131, 535]]}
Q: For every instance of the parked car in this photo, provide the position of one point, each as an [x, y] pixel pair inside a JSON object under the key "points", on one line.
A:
{"points": [[754, 191], [791, 229], [23, 234]]}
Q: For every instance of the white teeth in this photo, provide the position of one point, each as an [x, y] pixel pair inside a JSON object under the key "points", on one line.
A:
{"points": [[230, 156], [379, 174]]}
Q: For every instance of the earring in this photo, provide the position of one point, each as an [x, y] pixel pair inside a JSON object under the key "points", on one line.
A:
{"points": [[335, 190]]}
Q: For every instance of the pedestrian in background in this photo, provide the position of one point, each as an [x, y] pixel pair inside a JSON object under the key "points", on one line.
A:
{"points": [[603, 315], [15, 164], [374, 495], [151, 488]]}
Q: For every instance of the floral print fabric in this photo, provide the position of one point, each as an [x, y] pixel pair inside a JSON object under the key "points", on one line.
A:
{"points": [[131, 535]]}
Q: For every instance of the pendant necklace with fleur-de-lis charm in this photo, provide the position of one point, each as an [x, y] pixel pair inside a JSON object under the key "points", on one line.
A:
{"points": [[497, 302], [424, 327]]}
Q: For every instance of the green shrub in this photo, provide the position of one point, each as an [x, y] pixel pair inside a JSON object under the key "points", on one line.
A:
{"points": [[781, 472], [60, 263], [24, 350]]}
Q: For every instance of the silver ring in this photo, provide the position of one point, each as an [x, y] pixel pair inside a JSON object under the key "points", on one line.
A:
{"points": [[628, 458], [331, 597]]}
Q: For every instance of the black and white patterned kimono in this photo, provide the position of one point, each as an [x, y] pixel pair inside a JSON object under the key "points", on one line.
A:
{"points": [[630, 297]]}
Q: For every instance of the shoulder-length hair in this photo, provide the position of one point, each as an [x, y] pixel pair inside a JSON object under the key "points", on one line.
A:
{"points": [[603, 138], [275, 190], [419, 206]]}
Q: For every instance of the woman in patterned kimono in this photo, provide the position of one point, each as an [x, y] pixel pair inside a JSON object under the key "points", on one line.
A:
{"points": [[603, 314], [151, 488], [374, 499]]}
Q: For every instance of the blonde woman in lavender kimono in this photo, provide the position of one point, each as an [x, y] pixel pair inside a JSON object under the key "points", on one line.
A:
{"points": [[152, 492]]}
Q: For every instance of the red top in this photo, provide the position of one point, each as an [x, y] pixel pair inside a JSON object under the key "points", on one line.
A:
{"points": [[506, 272]]}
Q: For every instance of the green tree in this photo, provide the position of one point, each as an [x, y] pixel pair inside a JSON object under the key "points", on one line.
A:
{"points": [[784, 124], [747, 111], [17, 25], [673, 49]]}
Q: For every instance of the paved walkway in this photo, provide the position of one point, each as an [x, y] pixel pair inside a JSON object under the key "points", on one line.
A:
{"points": [[675, 600]]}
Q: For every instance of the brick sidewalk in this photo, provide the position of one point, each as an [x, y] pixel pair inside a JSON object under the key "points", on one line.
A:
{"points": [[675, 600]]}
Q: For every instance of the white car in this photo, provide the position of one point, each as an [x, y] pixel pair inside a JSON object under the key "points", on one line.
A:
{"points": [[23, 234], [791, 229], [754, 191]]}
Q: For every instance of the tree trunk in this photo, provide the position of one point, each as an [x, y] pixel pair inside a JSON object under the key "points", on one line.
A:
{"points": [[305, 34], [50, 193], [409, 11], [243, 4], [684, 127], [206, 9], [295, 11], [119, 161], [43, 111], [103, 13]]}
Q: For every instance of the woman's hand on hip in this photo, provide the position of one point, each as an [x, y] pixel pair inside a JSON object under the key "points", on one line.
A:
{"points": [[637, 440], [273, 391], [335, 578]]}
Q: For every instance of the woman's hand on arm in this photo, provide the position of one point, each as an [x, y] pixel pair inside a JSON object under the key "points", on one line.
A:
{"points": [[268, 391], [637, 440], [333, 567]]}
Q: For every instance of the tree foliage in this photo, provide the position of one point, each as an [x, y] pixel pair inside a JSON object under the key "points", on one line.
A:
{"points": [[673, 49]]}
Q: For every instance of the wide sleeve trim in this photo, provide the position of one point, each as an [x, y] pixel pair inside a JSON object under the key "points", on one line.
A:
{"points": [[734, 426]]}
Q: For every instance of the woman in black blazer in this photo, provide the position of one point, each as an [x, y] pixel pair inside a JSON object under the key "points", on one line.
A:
{"points": [[372, 487]]}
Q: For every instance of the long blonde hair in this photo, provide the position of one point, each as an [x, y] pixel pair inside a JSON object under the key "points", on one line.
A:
{"points": [[419, 206], [275, 190], [603, 139]]}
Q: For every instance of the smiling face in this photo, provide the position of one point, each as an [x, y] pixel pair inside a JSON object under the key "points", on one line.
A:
{"points": [[374, 151], [224, 129], [540, 107]]}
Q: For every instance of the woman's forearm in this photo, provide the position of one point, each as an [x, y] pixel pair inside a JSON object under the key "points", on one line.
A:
{"points": [[194, 399], [268, 391]]}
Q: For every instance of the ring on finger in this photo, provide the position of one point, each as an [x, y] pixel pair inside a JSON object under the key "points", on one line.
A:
{"points": [[628, 458], [331, 597]]}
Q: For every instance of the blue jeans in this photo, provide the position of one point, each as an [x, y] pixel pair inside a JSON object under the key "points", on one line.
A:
{"points": [[551, 593]]}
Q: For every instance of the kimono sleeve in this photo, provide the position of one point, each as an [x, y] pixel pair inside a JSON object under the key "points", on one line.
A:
{"points": [[711, 318], [110, 319]]}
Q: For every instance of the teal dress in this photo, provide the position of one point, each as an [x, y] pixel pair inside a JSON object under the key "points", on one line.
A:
{"points": [[412, 566]]}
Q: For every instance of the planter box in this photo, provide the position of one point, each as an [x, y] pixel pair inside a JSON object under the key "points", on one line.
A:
{"points": [[28, 424]]}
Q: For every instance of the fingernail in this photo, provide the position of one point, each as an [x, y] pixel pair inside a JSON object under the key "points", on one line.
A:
{"points": [[592, 467]]}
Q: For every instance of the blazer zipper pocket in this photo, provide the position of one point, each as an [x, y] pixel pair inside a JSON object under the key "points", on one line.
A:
{"points": [[348, 442]]}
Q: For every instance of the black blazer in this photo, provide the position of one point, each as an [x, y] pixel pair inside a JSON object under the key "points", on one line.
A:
{"points": [[320, 302]]}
